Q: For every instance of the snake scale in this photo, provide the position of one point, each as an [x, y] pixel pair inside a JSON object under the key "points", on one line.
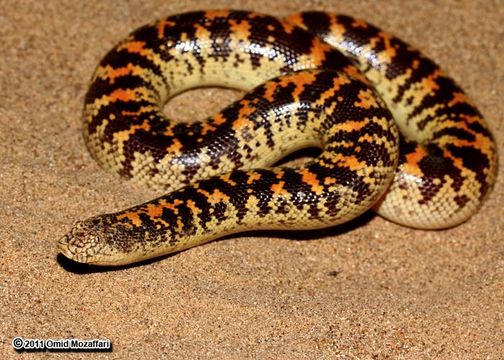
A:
{"points": [[395, 133]]}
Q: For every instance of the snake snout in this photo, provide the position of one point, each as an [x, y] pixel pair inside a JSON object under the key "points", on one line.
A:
{"points": [[63, 246], [97, 241], [83, 243]]}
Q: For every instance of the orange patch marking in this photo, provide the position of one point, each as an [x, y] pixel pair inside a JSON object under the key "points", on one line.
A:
{"points": [[133, 216], [180, 224], [253, 177], [270, 90], [470, 119], [240, 29], [429, 82], [244, 112], [294, 19], [356, 74], [214, 14], [390, 52], [168, 131], [288, 27], [173, 205], [350, 125], [458, 98], [162, 25], [300, 80], [216, 197], [175, 147], [329, 181], [137, 47], [278, 189], [218, 119], [318, 51], [367, 138], [350, 162], [123, 95], [202, 32], [240, 123], [206, 128], [125, 134], [311, 179], [154, 210], [457, 161], [192, 206], [246, 109], [227, 180], [411, 166], [142, 110], [359, 23], [336, 28], [367, 99], [111, 73]]}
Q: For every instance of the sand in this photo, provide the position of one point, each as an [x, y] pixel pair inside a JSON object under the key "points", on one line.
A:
{"points": [[370, 289]]}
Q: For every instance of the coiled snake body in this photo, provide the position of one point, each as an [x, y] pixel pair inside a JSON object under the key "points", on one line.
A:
{"points": [[313, 79]]}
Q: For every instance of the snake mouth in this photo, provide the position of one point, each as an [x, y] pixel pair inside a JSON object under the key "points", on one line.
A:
{"points": [[65, 248]]}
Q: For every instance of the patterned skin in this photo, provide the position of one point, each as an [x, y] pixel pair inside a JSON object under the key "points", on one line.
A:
{"points": [[313, 79]]}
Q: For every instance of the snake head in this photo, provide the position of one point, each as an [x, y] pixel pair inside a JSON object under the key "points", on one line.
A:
{"points": [[97, 241]]}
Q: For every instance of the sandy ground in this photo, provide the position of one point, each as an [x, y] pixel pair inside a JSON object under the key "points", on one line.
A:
{"points": [[370, 289]]}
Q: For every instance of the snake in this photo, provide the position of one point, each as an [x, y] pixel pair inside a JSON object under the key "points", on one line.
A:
{"points": [[395, 133]]}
